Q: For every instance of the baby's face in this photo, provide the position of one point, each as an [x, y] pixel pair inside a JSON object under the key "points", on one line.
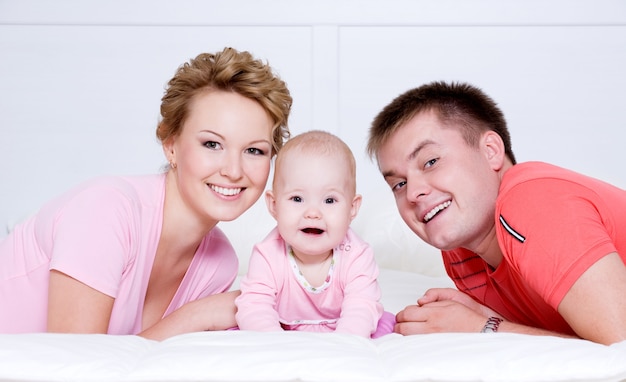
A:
{"points": [[314, 202]]}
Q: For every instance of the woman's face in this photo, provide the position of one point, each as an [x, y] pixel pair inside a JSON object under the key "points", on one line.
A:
{"points": [[222, 156]]}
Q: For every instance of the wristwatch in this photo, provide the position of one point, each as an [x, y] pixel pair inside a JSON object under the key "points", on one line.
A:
{"points": [[492, 324]]}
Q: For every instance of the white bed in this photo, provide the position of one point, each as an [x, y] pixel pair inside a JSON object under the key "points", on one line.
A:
{"points": [[298, 356], [295, 356]]}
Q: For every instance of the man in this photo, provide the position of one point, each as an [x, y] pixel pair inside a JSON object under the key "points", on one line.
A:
{"points": [[532, 248]]}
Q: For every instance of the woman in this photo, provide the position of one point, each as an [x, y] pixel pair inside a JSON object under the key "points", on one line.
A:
{"points": [[142, 255]]}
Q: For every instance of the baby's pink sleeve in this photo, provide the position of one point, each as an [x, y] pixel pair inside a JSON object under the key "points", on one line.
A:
{"points": [[256, 306], [361, 308]]}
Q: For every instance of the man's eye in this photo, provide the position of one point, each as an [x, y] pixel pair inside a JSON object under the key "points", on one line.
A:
{"points": [[430, 163], [398, 186], [212, 145]]}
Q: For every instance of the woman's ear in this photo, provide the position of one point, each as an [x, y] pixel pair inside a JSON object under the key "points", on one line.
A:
{"points": [[169, 152], [493, 148]]}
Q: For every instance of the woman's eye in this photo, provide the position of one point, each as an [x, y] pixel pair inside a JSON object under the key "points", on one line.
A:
{"points": [[212, 145], [255, 151], [329, 201], [296, 199]]}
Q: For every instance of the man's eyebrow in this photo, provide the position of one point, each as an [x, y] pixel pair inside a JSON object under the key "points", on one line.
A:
{"points": [[389, 173], [411, 156], [419, 148]]}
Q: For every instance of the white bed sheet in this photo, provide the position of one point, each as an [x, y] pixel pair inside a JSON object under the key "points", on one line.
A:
{"points": [[297, 356]]}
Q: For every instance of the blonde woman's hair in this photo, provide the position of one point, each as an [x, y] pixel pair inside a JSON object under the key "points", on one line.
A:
{"points": [[228, 70]]}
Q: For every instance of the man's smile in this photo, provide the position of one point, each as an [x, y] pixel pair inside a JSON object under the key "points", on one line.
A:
{"points": [[436, 210]]}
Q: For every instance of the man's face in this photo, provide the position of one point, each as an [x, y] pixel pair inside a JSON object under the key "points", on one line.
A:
{"points": [[445, 189]]}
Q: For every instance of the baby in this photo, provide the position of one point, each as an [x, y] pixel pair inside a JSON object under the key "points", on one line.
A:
{"points": [[312, 272]]}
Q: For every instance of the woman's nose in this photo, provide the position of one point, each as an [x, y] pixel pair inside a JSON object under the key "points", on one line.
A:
{"points": [[232, 167]]}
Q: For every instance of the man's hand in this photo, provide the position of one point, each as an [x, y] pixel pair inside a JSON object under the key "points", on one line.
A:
{"points": [[442, 310]]}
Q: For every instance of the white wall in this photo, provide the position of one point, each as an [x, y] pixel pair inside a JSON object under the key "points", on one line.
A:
{"points": [[81, 80]]}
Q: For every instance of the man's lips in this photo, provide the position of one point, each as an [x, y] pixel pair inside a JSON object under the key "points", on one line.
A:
{"points": [[438, 208]]}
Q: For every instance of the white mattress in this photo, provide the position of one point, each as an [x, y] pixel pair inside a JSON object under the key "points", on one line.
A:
{"points": [[297, 356]]}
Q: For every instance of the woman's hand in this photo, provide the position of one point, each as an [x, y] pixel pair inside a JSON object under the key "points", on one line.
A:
{"points": [[215, 312]]}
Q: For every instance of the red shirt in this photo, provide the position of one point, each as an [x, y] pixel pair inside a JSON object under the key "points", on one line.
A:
{"points": [[552, 224]]}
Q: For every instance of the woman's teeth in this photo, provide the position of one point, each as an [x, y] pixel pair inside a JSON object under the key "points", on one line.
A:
{"points": [[225, 191]]}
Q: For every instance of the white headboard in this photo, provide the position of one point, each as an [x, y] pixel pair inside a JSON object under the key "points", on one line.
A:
{"points": [[81, 81]]}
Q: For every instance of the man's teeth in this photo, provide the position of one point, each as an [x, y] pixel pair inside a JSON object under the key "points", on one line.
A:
{"points": [[226, 191], [436, 210]]}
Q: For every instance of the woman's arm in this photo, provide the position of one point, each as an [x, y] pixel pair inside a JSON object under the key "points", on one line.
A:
{"points": [[74, 307], [215, 312]]}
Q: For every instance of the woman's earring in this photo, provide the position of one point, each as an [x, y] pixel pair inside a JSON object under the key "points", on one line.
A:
{"points": [[173, 165]]}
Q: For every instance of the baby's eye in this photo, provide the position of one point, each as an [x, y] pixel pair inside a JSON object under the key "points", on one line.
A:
{"points": [[212, 145], [296, 199], [329, 201]]}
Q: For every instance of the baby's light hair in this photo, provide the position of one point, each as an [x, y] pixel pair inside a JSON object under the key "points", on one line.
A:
{"points": [[321, 143]]}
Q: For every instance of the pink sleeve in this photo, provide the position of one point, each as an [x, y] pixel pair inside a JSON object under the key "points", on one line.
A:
{"points": [[361, 308], [256, 306], [91, 237]]}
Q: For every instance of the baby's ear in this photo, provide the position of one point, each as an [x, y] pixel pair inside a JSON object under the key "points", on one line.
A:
{"points": [[356, 205], [270, 201]]}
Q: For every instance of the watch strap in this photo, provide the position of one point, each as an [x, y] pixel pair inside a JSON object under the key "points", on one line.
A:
{"points": [[492, 325]]}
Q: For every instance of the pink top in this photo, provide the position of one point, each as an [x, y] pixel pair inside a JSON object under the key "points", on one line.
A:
{"points": [[103, 233], [274, 295], [552, 225]]}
